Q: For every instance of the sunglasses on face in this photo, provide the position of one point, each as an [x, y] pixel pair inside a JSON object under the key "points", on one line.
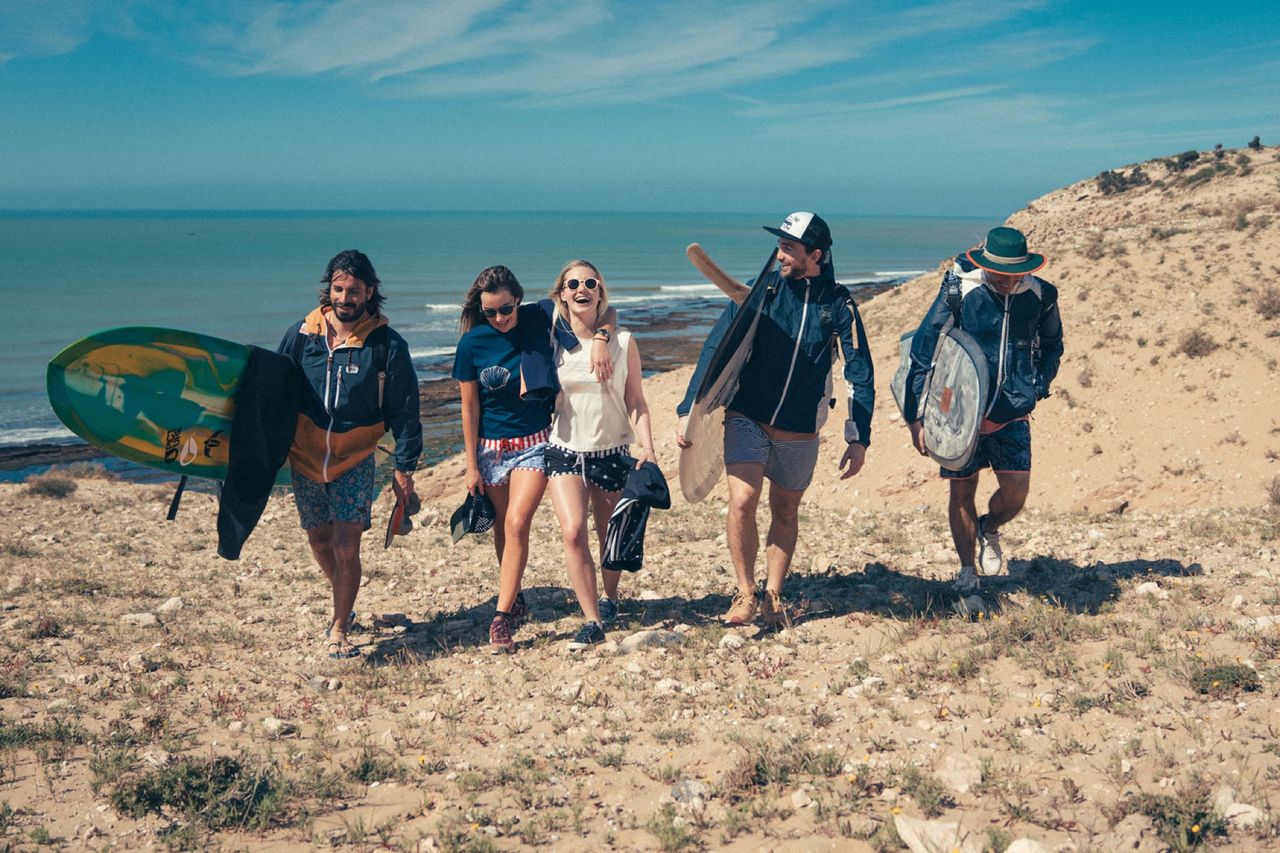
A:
{"points": [[505, 311], [588, 283]]}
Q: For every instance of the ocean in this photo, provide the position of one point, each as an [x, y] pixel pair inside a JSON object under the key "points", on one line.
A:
{"points": [[247, 275]]}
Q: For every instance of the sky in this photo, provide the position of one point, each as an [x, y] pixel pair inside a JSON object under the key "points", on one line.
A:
{"points": [[943, 107]]}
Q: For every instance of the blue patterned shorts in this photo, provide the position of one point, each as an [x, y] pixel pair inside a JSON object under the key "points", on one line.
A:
{"points": [[347, 498], [1006, 449]]}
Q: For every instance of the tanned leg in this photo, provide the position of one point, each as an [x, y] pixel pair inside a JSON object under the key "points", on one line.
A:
{"points": [[746, 480]]}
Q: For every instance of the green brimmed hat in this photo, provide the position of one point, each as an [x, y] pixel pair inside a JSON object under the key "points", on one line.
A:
{"points": [[1005, 250]]}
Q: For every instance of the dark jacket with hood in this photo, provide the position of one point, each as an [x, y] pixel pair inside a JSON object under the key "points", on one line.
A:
{"points": [[1020, 334], [352, 395], [786, 382]]}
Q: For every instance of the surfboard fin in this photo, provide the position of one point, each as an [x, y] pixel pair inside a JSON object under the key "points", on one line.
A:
{"points": [[177, 498]]}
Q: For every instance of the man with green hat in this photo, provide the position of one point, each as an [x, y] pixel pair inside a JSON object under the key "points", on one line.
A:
{"points": [[1012, 315]]}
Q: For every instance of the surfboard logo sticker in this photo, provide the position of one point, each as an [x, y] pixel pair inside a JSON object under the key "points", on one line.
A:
{"points": [[172, 439], [189, 452]]}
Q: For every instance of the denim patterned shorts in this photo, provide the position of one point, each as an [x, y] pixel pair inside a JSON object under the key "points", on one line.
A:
{"points": [[497, 458], [347, 498], [1006, 449]]}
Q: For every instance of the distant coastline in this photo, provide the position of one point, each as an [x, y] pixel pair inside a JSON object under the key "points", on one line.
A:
{"points": [[669, 338]]}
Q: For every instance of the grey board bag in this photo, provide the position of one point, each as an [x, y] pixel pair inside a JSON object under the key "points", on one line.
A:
{"points": [[953, 402]]}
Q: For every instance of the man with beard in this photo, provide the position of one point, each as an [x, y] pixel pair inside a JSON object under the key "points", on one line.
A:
{"points": [[358, 382], [784, 392]]}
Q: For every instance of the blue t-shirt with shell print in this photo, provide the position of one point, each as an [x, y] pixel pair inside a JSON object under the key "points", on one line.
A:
{"points": [[491, 359]]}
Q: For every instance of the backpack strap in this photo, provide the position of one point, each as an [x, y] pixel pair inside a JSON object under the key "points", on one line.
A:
{"points": [[953, 295]]}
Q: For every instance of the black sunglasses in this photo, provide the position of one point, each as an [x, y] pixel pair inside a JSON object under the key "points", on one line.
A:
{"points": [[505, 311], [588, 283]]}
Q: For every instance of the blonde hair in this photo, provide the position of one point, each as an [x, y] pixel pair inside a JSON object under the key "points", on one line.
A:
{"points": [[602, 306]]}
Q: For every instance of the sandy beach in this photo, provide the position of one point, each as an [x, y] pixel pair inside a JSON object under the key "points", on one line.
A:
{"points": [[1119, 692]]}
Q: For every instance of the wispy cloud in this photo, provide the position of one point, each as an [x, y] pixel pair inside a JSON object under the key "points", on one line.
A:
{"points": [[536, 52], [33, 29]]}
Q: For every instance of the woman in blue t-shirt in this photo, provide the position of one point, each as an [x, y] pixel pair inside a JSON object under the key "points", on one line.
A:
{"points": [[504, 429]]}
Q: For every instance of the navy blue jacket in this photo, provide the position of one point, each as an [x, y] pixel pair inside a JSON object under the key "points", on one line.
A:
{"points": [[786, 381], [1020, 334]]}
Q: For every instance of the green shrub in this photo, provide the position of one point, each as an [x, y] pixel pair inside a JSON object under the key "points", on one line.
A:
{"points": [[17, 735], [672, 834], [1201, 176], [926, 789], [1184, 823], [1182, 161], [1111, 183], [1223, 680], [372, 767], [219, 793]]}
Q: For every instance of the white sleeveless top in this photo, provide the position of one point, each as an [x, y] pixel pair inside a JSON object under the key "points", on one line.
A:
{"points": [[591, 415]]}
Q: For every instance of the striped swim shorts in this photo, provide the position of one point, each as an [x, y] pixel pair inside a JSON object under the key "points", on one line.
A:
{"points": [[787, 464]]}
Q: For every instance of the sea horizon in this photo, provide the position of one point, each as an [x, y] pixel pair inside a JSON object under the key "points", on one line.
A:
{"points": [[246, 275]]}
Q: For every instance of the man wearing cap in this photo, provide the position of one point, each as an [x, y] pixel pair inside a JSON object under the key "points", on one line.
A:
{"points": [[1013, 315], [783, 396]]}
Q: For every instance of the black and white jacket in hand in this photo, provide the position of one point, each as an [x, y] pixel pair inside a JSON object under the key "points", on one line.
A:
{"points": [[786, 381], [1020, 334]]}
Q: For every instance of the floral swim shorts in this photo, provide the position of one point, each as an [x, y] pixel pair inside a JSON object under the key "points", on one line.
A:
{"points": [[347, 498]]}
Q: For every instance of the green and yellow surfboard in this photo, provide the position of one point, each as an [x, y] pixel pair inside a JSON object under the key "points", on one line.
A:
{"points": [[158, 397]]}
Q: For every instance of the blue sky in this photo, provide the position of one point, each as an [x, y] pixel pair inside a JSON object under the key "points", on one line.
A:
{"points": [[950, 107]]}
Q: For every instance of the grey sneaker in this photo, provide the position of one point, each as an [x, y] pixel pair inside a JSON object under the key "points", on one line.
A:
{"points": [[966, 581], [590, 634], [608, 611], [990, 557]]}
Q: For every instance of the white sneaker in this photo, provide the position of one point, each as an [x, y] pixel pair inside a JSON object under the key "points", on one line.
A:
{"points": [[966, 581], [990, 557]]}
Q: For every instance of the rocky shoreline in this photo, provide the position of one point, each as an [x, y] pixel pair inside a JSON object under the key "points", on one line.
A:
{"points": [[669, 338]]}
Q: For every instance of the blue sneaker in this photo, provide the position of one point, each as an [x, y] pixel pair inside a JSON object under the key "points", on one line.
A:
{"points": [[590, 634], [608, 611]]}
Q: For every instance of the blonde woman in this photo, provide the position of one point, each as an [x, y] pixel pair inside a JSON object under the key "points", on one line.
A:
{"points": [[588, 455]]}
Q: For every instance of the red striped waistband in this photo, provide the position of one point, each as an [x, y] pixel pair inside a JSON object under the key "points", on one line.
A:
{"points": [[506, 445]]}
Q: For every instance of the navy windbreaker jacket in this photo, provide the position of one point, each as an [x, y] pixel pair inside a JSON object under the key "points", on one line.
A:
{"points": [[1020, 334], [786, 381]]}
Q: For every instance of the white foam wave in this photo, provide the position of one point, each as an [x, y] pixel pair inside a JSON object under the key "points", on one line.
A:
{"points": [[430, 352], [35, 435], [899, 273], [689, 288], [443, 306], [434, 325]]}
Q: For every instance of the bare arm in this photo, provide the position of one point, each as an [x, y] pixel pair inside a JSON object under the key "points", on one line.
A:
{"points": [[470, 393], [731, 287], [601, 363], [638, 407]]}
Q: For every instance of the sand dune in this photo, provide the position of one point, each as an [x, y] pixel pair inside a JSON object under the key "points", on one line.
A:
{"points": [[1119, 691]]}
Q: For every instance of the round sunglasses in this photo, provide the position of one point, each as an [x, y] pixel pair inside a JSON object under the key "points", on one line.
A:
{"points": [[505, 311], [588, 283]]}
